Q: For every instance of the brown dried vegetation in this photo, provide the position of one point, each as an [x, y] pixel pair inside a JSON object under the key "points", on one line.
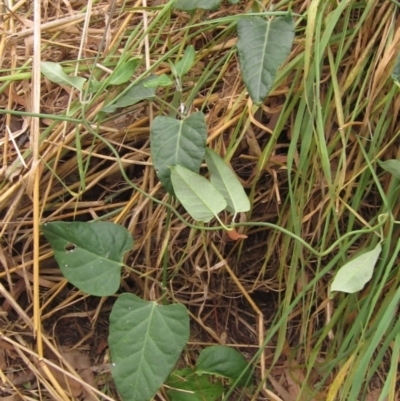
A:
{"points": [[53, 343]]}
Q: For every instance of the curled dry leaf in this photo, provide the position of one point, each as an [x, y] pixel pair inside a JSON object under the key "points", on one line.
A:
{"points": [[82, 365], [234, 235]]}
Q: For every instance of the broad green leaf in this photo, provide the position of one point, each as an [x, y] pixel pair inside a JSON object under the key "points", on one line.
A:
{"points": [[225, 180], [90, 255], [233, 1], [190, 5], [145, 341], [175, 142], [263, 46], [396, 70], [183, 66], [392, 166], [199, 197], [353, 276], [162, 80], [187, 385], [220, 360], [124, 72], [137, 93], [55, 73]]}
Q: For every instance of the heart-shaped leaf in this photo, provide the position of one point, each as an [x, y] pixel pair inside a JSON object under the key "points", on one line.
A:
{"points": [[225, 180], [90, 255], [263, 46], [145, 341], [355, 274], [187, 385], [220, 360], [56, 74], [177, 142], [190, 5], [199, 197], [135, 94]]}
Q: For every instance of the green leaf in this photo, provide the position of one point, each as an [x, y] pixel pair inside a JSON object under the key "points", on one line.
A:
{"points": [[175, 142], [145, 341], [225, 180], [233, 1], [56, 74], [392, 166], [355, 274], [183, 66], [94, 85], [162, 80], [220, 360], [124, 72], [90, 255], [396, 70], [263, 46], [135, 94], [190, 5], [187, 385], [199, 197]]}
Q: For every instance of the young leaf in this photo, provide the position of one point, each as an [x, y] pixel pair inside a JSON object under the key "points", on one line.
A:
{"points": [[190, 5], [392, 166], [199, 197], [175, 142], [124, 72], [186, 385], [183, 66], [353, 276], [94, 85], [56, 74], [225, 180], [145, 341], [162, 80], [263, 46], [90, 255], [137, 93], [224, 361]]}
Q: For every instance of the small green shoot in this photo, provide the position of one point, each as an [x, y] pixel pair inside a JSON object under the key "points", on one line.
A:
{"points": [[226, 181], [191, 5], [183, 66], [353, 276], [163, 80], [124, 72], [134, 95], [55, 73]]}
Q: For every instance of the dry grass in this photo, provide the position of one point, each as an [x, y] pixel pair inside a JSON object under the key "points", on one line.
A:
{"points": [[55, 169]]}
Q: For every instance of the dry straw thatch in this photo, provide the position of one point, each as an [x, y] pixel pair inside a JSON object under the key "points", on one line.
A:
{"points": [[53, 337]]}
